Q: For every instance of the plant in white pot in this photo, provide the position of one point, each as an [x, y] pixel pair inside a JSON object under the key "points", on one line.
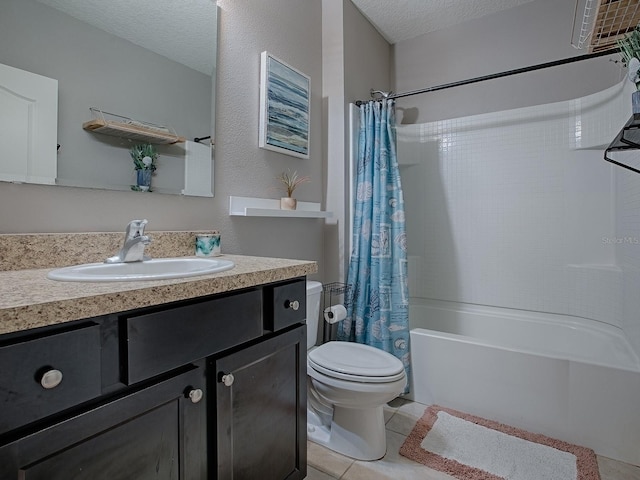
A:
{"points": [[629, 48], [144, 163], [291, 181]]}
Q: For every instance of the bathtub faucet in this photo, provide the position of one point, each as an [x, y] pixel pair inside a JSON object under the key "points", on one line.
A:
{"points": [[134, 243]]}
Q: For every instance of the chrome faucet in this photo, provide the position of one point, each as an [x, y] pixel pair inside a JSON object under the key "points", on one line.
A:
{"points": [[134, 242]]}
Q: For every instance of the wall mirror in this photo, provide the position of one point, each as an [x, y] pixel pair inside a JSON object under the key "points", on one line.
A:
{"points": [[146, 60]]}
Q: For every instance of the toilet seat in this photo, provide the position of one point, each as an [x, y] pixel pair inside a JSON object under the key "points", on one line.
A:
{"points": [[355, 362]]}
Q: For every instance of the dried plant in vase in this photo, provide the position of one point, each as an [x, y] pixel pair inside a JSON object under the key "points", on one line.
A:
{"points": [[291, 181]]}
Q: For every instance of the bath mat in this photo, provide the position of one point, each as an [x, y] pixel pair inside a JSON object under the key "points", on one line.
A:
{"points": [[473, 448]]}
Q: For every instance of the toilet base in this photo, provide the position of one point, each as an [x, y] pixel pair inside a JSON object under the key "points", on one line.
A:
{"points": [[355, 432]]}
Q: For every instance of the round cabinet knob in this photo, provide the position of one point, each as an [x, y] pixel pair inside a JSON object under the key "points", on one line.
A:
{"points": [[227, 379], [195, 395], [293, 305], [51, 378]]}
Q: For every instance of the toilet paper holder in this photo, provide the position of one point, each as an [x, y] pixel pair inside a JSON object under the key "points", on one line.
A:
{"points": [[334, 294], [335, 313]]}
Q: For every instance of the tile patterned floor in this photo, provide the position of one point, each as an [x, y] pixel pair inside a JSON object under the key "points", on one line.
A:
{"points": [[400, 416]]}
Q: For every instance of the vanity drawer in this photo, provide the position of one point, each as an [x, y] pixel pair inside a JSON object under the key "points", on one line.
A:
{"points": [[285, 304], [75, 354], [161, 341]]}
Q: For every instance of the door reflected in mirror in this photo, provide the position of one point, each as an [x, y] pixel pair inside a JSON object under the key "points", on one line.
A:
{"points": [[166, 78]]}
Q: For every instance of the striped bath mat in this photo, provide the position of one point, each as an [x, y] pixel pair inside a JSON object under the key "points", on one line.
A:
{"points": [[473, 448]]}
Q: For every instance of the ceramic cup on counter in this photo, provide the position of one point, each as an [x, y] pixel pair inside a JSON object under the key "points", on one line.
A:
{"points": [[208, 245]]}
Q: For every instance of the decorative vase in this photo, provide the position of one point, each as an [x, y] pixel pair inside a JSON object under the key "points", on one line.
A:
{"points": [[144, 179], [288, 203], [635, 102]]}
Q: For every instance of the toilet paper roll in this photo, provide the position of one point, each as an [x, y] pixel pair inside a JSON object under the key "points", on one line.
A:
{"points": [[335, 313]]}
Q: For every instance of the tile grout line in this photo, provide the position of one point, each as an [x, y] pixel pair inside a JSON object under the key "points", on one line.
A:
{"points": [[348, 468]]}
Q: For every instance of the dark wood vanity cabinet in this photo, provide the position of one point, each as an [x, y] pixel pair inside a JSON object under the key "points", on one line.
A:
{"points": [[211, 388], [260, 404]]}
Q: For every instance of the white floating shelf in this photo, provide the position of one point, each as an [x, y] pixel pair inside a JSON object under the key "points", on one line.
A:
{"points": [[269, 207]]}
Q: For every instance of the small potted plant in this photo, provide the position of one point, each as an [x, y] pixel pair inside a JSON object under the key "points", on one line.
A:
{"points": [[629, 48], [144, 162], [291, 181]]}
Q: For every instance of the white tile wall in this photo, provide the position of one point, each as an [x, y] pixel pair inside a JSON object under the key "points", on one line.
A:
{"points": [[628, 250], [516, 209]]}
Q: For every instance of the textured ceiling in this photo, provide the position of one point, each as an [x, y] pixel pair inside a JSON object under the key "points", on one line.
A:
{"points": [[184, 31], [403, 19]]}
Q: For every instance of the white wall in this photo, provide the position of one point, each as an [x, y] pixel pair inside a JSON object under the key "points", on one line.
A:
{"points": [[530, 34], [289, 29], [356, 58]]}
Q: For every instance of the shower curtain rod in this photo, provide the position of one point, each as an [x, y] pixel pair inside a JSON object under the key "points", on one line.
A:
{"points": [[540, 66]]}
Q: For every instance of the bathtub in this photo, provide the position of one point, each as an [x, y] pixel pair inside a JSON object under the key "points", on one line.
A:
{"points": [[566, 377]]}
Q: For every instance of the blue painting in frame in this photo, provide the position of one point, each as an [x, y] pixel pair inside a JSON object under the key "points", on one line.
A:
{"points": [[284, 107]]}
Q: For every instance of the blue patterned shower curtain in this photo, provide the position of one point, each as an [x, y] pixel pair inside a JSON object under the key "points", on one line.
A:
{"points": [[378, 310]]}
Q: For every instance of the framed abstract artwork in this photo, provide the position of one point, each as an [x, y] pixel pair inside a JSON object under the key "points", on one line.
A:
{"points": [[284, 107]]}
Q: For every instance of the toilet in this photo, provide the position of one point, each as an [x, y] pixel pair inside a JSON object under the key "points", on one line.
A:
{"points": [[347, 387]]}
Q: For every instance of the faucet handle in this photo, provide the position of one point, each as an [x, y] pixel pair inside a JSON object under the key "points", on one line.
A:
{"points": [[135, 228]]}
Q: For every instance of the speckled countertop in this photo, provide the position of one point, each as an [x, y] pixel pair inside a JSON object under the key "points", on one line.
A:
{"points": [[28, 299]]}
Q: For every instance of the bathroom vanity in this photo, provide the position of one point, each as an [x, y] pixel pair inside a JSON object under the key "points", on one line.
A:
{"points": [[209, 386]]}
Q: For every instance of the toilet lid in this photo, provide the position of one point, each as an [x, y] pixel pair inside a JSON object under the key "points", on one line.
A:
{"points": [[356, 362]]}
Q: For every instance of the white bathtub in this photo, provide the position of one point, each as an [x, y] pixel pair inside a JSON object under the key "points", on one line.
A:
{"points": [[566, 377]]}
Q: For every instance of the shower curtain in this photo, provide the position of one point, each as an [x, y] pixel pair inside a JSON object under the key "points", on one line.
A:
{"points": [[378, 307]]}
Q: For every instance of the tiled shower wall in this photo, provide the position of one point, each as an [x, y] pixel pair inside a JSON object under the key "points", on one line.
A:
{"points": [[628, 248], [518, 209]]}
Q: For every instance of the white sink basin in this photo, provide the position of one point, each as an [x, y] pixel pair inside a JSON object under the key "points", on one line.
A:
{"points": [[155, 269]]}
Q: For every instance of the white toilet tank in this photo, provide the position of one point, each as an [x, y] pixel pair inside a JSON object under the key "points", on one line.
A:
{"points": [[314, 291]]}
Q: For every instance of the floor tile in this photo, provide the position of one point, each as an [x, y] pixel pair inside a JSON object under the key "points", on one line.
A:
{"points": [[405, 417], [313, 474], [327, 461], [397, 402], [393, 466], [392, 407], [614, 470]]}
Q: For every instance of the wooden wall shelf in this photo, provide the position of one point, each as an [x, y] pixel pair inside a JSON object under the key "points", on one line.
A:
{"points": [[124, 127]]}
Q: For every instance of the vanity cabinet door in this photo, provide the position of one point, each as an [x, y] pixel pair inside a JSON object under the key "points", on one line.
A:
{"points": [[261, 416], [157, 432]]}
